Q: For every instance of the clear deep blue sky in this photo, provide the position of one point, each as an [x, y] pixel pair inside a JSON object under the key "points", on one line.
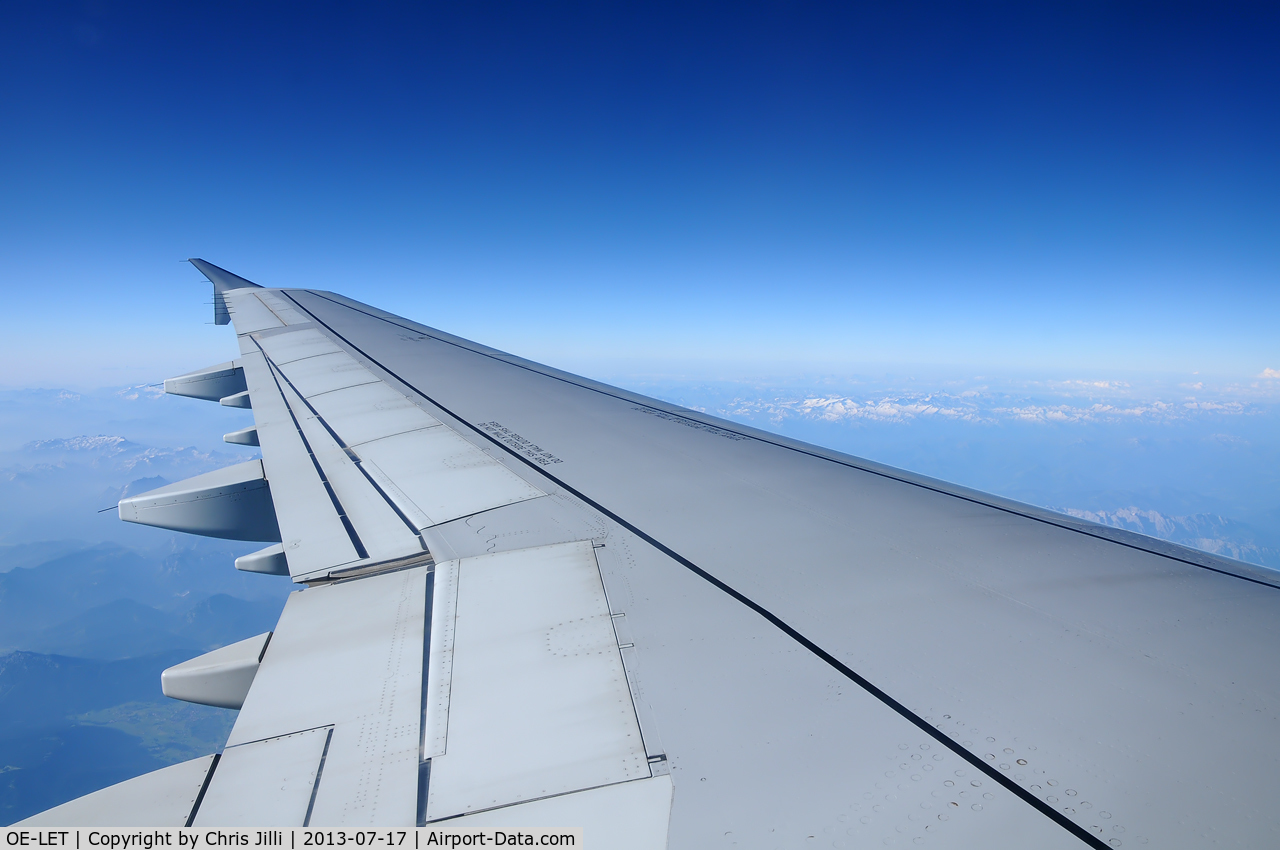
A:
{"points": [[1081, 189]]}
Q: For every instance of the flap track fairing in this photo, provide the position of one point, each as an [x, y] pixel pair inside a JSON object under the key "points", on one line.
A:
{"points": [[212, 384], [232, 503]]}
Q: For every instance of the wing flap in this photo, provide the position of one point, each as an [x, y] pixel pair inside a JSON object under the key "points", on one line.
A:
{"points": [[538, 700], [265, 783], [344, 671]]}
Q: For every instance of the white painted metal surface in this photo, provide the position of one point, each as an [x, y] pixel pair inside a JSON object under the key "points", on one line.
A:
{"points": [[539, 703], [549, 519], [243, 437], [627, 816], [211, 384], [219, 678], [294, 345], [283, 308], [223, 283], [233, 502], [444, 606], [313, 535], [325, 373], [444, 475], [161, 798], [382, 532], [406, 506], [265, 783], [239, 400], [349, 655], [370, 411], [269, 561], [249, 314]]}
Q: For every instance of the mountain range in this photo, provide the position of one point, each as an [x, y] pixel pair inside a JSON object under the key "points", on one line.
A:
{"points": [[84, 636], [1209, 532], [92, 610]]}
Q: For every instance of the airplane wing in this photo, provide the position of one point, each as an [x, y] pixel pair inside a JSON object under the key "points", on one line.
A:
{"points": [[530, 599]]}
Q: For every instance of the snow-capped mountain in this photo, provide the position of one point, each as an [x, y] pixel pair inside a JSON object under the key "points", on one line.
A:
{"points": [[1208, 532]]}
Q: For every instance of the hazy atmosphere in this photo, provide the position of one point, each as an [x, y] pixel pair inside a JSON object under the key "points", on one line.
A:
{"points": [[1028, 249]]}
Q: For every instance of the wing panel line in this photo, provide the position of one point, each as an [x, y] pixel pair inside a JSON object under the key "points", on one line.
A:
{"points": [[204, 787], [315, 787]]}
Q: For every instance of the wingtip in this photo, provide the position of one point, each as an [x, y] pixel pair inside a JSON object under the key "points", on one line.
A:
{"points": [[222, 281], [221, 278]]}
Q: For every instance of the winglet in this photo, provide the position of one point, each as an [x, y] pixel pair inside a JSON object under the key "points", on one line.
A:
{"points": [[222, 281]]}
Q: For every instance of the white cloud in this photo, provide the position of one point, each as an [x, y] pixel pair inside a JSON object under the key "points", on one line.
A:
{"points": [[1087, 385], [1269, 373], [971, 407], [1228, 407]]}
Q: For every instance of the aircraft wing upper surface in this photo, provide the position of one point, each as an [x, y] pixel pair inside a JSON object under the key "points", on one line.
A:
{"points": [[536, 600]]}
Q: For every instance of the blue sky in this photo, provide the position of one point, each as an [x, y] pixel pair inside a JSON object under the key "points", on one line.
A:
{"points": [[1029, 247], [1079, 190]]}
